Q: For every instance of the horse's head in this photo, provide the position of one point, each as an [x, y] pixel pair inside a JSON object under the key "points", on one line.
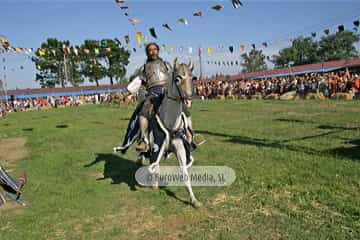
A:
{"points": [[182, 87]]}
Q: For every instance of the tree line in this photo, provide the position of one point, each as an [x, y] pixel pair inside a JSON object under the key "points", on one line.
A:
{"points": [[305, 50], [59, 63]]}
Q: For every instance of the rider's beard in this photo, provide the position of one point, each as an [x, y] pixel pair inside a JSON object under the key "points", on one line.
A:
{"points": [[153, 57]]}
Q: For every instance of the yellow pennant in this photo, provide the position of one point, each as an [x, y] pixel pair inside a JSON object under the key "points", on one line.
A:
{"points": [[139, 37]]}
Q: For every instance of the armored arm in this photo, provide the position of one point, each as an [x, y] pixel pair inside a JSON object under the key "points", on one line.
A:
{"points": [[134, 85]]}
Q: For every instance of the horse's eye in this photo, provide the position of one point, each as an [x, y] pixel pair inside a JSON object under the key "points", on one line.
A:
{"points": [[178, 79]]}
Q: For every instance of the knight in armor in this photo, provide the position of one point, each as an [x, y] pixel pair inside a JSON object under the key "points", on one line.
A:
{"points": [[154, 76]]}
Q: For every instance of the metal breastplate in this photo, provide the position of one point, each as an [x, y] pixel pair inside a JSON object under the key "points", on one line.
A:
{"points": [[156, 74]]}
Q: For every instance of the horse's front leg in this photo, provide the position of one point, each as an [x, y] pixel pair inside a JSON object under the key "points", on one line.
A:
{"points": [[180, 152]]}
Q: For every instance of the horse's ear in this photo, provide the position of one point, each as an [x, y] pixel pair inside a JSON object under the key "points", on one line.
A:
{"points": [[191, 65], [176, 63]]}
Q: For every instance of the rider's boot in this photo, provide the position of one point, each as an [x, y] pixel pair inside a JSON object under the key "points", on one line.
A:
{"points": [[143, 145]]}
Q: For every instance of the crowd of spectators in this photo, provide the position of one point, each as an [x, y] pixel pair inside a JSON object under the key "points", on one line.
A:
{"points": [[19, 105], [327, 84]]}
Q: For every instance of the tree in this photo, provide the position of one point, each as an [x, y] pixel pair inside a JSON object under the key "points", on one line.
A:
{"points": [[254, 61], [91, 57], [48, 63], [94, 71], [56, 65], [303, 51], [338, 46], [116, 58]]}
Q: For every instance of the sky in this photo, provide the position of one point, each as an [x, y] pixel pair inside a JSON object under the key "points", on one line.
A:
{"points": [[28, 23]]}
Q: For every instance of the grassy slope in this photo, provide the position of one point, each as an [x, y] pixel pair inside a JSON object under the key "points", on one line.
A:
{"points": [[298, 175]]}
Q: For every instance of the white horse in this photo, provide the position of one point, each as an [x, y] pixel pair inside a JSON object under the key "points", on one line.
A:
{"points": [[173, 121], [176, 126]]}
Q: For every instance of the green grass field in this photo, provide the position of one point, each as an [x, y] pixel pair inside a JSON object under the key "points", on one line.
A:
{"points": [[297, 165]]}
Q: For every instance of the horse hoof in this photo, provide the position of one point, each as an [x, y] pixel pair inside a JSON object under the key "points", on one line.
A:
{"points": [[117, 149], [197, 204]]}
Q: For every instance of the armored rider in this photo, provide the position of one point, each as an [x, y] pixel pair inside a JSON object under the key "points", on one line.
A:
{"points": [[154, 75]]}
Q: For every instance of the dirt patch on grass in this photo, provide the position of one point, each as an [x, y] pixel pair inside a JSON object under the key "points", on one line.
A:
{"points": [[11, 151]]}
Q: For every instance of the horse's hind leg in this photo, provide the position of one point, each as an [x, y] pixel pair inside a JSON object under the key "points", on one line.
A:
{"points": [[181, 156]]}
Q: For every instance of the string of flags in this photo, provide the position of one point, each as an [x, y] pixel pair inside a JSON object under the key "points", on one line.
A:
{"points": [[140, 37], [184, 21], [5, 45]]}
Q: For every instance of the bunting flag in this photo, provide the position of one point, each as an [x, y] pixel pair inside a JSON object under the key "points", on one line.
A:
{"points": [[117, 41], [217, 7], [96, 51], [341, 28], [165, 25], [119, 1], [242, 47], [184, 21], [126, 14], [152, 32], [139, 37], [236, 62], [134, 49], [253, 46], [210, 50], [190, 50], [313, 34], [356, 23], [198, 14], [327, 31], [236, 3], [4, 42], [124, 7], [66, 51], [265, 44], [163, 47], [41, 52], [134, 21], [127, 39], [145, 40], [231, 49]]}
